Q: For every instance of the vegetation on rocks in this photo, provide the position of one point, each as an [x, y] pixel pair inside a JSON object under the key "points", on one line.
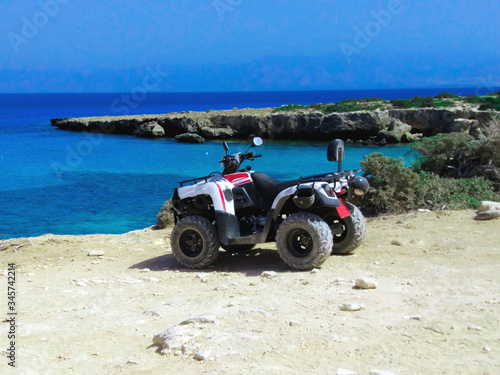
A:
{"points": [[165, 216], [443, 100], [349, 105], [489, 102], [456, 171]]}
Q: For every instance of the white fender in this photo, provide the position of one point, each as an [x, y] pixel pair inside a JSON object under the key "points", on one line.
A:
{"points": [[213, 187]]}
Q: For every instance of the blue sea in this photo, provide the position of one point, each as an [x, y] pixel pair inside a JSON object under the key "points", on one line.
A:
{"points": [[62, 182]]}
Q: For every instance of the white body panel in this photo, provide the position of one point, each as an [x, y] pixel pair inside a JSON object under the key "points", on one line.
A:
{"points": [[217, 184], [213, 187]]}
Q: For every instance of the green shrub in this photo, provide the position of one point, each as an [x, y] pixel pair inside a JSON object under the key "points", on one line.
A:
{"points": [[344, 106], [447, 95], [428, 102], [291, 107], [435, 192], [407, 103], [456, 171], [445, 154], [395, 188], [490, 102], [415, 102], [460, 155], [391, 184], [348, 105], [443, 103], [165, 216]]}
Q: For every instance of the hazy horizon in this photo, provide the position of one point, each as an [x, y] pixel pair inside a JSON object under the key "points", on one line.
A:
{"points": [[68, 46]]}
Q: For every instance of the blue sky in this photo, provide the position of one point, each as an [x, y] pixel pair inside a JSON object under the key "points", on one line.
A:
{"points": [[241, 45]]}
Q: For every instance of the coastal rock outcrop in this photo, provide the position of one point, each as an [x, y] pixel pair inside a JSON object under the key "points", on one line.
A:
{"points": [[149, 130], [190, 138], [381, 125], [395, 131]]}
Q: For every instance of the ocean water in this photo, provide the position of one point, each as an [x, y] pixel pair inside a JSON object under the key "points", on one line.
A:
{"points": [[61, 182]]}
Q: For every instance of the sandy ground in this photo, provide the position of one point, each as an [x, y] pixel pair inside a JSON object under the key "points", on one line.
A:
{"points": [[436, 309]]}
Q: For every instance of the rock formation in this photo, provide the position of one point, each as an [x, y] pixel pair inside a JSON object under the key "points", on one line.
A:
{"points": [[382, 125], [149, 130]]}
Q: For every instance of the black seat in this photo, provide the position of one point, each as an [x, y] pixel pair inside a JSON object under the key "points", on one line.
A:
{"points": [[268, 187]]}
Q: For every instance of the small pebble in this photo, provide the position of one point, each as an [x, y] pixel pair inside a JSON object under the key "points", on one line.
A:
{"points": [[351, 307], [366, 283], [95, 253], [474, 328], [380, 372], [201, 355], [343, 371], [413, 317], [269, 274]]}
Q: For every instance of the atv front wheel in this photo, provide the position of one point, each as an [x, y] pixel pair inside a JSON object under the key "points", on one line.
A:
{"points": [[347, 232], [233, 249], [194, 242], [304, 241]]}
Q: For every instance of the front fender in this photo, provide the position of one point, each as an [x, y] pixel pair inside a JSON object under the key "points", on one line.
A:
{"points": [[217, 188]]}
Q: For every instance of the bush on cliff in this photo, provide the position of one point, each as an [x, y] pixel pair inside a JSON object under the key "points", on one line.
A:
{"points": [[460, 155], [456, 171], [395, 188], [165, 216], [428, 102], [348, 105], [489, 102]]}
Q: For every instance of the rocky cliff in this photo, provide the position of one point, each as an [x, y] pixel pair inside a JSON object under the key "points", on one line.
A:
{"points": [[382, 125]]}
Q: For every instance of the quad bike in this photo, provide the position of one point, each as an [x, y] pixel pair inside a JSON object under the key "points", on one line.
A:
{"points": [[308, 218]]}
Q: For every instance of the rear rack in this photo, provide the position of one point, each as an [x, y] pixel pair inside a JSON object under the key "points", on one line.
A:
{"points": [[329, 176]]}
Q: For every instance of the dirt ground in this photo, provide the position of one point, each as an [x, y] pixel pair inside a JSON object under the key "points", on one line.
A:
{"points": [[436, 309]]}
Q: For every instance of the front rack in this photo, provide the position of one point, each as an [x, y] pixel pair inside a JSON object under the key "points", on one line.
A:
{"points": [[198, 179], [194, 181]]}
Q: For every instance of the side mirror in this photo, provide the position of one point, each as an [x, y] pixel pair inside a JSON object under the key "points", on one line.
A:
{"points": [[336, 150], [257, 141], [226, 147]]}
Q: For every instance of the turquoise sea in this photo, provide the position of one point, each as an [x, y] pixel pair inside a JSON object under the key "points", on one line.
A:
{"points": [[62, 182]]}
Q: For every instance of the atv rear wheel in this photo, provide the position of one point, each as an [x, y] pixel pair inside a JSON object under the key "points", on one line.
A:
{"points": [[304, 241], [194, 242], [347, 232], [233, 249]]}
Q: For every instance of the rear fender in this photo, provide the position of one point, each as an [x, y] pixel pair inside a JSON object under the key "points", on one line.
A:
{"points": [[328, 201], [280, 200]]}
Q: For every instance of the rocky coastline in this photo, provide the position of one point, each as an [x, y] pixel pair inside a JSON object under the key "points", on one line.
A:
{"points": [[380, 126]]}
